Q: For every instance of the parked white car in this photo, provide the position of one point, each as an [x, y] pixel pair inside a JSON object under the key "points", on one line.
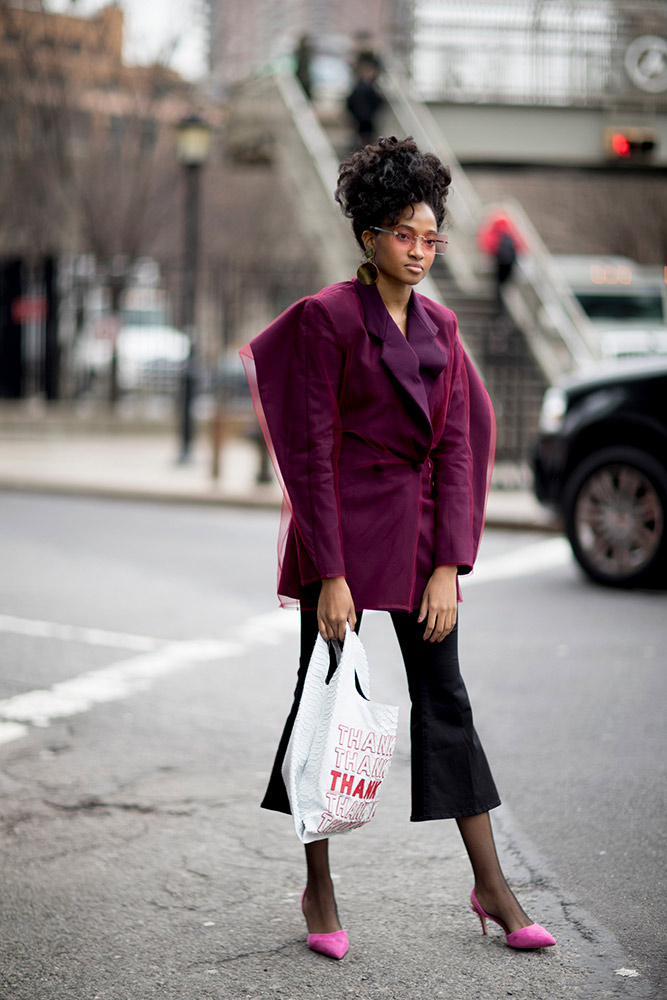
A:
{"points": [[151, 358], [625, 301]]}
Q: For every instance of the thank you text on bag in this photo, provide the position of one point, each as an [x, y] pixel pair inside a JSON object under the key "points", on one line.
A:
{"points": [[340, 748], [362, 760]]}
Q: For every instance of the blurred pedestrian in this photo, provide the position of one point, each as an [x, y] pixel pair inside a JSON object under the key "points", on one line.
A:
{"points": [[505, 258], [303, 56], [383, 434], [365, 99], [499, 237]]}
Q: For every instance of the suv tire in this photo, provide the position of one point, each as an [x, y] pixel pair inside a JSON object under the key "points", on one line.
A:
{"points": [[615, 514]]}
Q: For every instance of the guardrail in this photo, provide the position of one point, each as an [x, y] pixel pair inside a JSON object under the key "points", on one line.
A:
{"points": [[307, 165], [308, 160], [464, 205], [539, 301]]}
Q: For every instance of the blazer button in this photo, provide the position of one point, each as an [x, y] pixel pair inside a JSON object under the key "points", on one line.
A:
{"points": [[418, 466]]}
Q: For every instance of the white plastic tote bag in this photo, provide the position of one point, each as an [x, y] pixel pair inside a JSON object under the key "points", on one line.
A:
{"points": [[340, 748]]}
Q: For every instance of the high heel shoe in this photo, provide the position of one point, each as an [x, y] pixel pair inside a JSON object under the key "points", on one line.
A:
{"points": [[534, 936], [333, 945]]}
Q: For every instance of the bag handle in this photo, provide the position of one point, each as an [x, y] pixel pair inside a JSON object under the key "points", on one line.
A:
{"points": [[338, 650], [361, 671]]}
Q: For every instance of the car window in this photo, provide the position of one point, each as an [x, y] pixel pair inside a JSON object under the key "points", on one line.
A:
{"points": [[643, 307]]}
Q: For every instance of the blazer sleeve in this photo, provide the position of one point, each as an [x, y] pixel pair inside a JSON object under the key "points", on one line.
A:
{"points": [[453, 477], [300, 364]]}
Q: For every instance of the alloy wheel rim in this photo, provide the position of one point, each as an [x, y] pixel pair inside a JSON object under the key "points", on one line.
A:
{"points": [[618, 520]]}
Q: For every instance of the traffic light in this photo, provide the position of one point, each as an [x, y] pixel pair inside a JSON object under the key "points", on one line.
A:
{"points": [[629, 143]]}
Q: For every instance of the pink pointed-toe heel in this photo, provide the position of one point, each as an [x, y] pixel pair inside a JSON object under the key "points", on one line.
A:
{"points": [[333, 945], [534, 936]]}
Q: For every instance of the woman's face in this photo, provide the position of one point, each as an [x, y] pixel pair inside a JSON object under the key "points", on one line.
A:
{"points": [[405, 265]]}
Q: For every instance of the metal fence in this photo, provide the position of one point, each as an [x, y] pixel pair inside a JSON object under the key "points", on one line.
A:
{"points": [[545, 52]]}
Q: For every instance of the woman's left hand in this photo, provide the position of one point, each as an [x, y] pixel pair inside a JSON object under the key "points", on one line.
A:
{"points": [[439, 604]]}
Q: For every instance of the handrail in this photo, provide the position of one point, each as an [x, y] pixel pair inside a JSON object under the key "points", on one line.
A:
{"points": [[315, 142], [562, 317], [539, 300], [464, 204], [317, 145], [308, 161], [313, 136]]}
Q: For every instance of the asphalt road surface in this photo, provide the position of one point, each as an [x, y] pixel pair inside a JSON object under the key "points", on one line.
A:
{"points": [[145, 672]]}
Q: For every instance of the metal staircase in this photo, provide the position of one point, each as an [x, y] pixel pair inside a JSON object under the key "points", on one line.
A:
{"points": [[512, 377], [541, 331]]}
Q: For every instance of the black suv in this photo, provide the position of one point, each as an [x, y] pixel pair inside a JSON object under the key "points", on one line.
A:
{"points": [[601, 461]]}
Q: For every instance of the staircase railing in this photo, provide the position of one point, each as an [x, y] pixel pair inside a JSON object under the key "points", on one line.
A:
{"points": [[308, 166], [557, 330], [309, 162], [538, 300]]}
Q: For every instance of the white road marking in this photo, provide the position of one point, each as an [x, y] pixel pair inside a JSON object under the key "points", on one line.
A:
{"points": [[162, 656], [128, 676], [10, 731], [75, 633], [269, 628], [536, 558], [112, 683]]}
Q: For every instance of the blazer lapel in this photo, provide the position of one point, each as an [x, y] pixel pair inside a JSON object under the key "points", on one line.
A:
{"points": [[422, 337], [415, 363]]}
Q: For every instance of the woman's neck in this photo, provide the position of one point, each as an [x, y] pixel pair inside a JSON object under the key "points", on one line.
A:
{"points": [[396, 297]]}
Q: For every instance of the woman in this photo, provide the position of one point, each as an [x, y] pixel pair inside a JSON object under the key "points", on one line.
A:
{"points": [[383, 436]]}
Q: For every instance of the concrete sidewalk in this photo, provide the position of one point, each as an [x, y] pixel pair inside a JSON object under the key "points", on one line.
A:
{"points": [[144, 466]]}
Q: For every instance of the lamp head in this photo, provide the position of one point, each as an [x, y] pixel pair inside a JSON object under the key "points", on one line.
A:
{"points": [[193, 141]]}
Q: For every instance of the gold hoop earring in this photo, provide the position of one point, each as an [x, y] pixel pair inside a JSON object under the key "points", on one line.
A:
{"points": [[367, 272]]}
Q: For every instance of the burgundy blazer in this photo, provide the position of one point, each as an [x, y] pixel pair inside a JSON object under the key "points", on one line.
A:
{"points": [[383, 444]]}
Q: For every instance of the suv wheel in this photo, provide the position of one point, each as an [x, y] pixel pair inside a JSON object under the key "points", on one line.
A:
{"points": [[615, 513]]}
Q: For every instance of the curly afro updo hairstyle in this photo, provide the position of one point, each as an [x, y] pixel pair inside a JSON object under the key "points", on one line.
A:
{"points": [[377, 182]]}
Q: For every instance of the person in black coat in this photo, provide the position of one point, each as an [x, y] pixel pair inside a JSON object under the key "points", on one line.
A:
{"points": [[365, 100]]}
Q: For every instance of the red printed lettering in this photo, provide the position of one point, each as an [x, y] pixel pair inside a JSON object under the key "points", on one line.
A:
{"points": [[359, 790], [364, 765], [379, 768], [371, 791], [332, 800], [369, 743], [324, 822], [346, 784]]}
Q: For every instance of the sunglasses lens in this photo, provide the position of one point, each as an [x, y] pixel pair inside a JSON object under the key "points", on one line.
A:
{"points": [[403, 239], [406, 240]]}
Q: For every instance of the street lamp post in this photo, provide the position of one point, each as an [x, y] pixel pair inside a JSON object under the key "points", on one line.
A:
{"points": [[194, 143]]}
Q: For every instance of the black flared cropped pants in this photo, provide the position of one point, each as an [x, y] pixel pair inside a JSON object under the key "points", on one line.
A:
{"points": [[450, 773]]}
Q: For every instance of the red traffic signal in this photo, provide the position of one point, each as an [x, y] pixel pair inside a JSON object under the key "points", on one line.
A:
{"points": [[620, 144], [628, 143]]}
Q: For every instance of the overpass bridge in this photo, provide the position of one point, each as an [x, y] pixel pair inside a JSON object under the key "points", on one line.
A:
{"points": [[544, 83]]}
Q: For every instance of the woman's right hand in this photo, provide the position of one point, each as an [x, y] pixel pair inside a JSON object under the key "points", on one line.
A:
{"points": [[334, 608]]}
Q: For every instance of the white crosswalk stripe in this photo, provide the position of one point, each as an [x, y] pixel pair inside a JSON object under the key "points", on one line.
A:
{"points": [[160, 657]]}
